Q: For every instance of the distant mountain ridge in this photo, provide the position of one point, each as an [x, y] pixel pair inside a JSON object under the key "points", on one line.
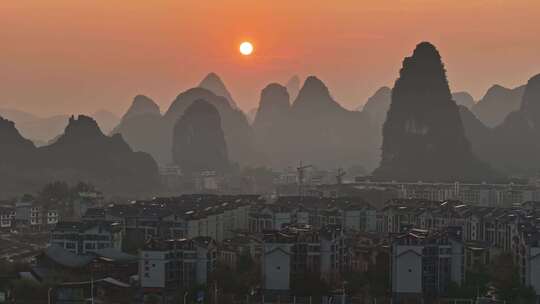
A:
{"points": [[314, 129], [199, 141], [81, 153], [423, 135], [513, 146], [153, 133], [497, 103], [213, 83], [44, 129]]}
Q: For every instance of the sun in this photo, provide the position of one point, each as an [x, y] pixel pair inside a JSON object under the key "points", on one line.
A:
{"points": [[246, 48]]}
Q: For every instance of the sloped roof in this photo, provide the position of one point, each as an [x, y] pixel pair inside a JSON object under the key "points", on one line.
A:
{"points": [[67, 258], [115, 255]]}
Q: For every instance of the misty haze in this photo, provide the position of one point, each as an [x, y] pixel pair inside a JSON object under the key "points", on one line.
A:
{"points": [[240, 152]]}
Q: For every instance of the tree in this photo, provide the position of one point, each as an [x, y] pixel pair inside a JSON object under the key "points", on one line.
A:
{"points": [[379, 276], [151, 299], [21, 294], [505, 277], [476, 283], [356, 282], [309, 284], [82, 187], [54, 192], [245, 262]]}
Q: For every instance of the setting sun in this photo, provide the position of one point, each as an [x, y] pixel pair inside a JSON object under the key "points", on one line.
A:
{"points": [[246, 48]]}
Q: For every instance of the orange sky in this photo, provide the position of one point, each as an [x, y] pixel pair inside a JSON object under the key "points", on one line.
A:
{"points": [[60, 56]]}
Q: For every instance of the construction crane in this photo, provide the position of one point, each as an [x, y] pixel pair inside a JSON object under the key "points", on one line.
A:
{"points": [[300, 171]]}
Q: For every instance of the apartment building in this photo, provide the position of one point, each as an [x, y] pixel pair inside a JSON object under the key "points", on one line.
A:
{"points": [[166, 266], [187, 216], [351, 213], [299, 250], [495, 227], [483, 194], [424, 263], [528, 256]]}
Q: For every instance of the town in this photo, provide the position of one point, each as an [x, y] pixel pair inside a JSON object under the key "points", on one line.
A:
{"points": [[374, 242], [270, 152]]}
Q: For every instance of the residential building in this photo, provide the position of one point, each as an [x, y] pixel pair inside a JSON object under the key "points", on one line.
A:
{"points": [[166, 266], [7, 217], [83, 237], [483, 194], [300, 250], [424, 263]]}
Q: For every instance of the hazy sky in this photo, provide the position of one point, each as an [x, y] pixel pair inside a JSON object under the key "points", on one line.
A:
{"points": [[59, 56]]}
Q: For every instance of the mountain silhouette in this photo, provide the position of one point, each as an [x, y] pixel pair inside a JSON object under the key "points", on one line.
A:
{"points": [[293, 86], [81, 153], [423, 136], [238, 132], [141, 105], [12, 142], [152, 132], [375, 109], [475, 130], [39, 130], [143, 129], [199, 141], [42, 130], [84, 153], [250, 115], [106, 120], [17, 161], [497, 103], [17, 116], [214, 84], [272, 122], [274, 105], [513, 146], [463, 99], [377, 105], [323, 133]]}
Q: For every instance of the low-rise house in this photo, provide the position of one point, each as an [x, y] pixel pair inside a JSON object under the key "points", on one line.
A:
{"points": [[55, 263], [83, 237], [34, 216], [7, 217]]}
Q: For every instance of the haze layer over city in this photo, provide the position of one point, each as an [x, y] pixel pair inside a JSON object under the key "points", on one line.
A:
{"points": [[240, 152]]}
